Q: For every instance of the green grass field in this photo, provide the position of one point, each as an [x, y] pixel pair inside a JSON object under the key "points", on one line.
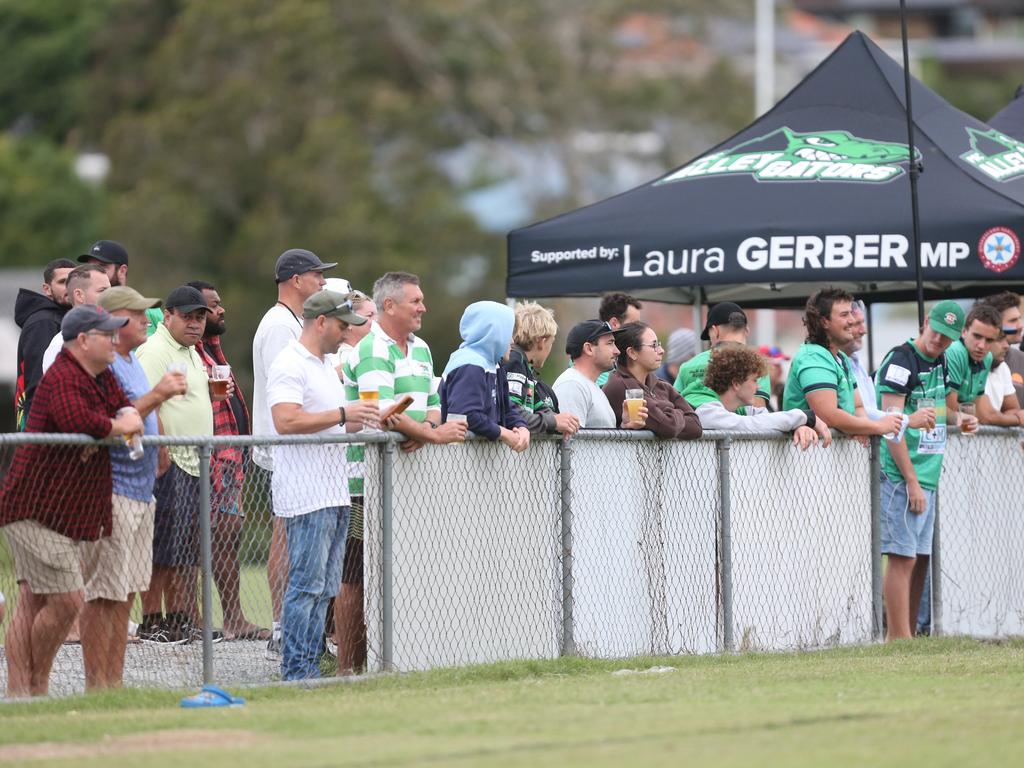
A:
{"points": [[928, 702]]}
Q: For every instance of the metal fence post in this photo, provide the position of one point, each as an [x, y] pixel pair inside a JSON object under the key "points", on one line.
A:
{"points": [[206, 559], [936, 572], [387, 585], [875, 468], [565, 477], [725, 523]]}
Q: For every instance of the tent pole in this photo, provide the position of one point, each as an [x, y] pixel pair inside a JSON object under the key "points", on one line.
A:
{"points": [[914, 170]]}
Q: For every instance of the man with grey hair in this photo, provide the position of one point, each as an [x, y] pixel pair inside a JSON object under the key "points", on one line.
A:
{"points": [[852, 348], [84, 286], [299, 274], [682, 346], [392, 361]]}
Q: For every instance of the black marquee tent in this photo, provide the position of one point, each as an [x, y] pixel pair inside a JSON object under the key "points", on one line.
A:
{"points": [[815, 191], [1010, 119]]}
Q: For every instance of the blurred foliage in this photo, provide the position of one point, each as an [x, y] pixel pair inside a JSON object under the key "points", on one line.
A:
{"points": [[980, 94], [45, 211]]}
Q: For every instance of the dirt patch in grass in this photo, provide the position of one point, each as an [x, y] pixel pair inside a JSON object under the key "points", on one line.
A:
{"points": [[135, 743]]}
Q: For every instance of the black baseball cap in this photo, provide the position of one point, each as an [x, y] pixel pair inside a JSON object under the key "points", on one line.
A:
{"points": [[581, 333], [720, 315], [88, 317], [186, 299], [297, 261], [107, 251]]}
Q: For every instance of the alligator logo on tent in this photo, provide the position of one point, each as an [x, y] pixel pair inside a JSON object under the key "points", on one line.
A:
{"points": [[809, 156], [995, 154]]}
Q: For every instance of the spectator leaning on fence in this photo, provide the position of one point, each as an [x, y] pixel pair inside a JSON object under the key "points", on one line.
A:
{"points": [[532, 339], [1013, 328], [85, 284], [730, 383], [298, 274], [668, 415], [38, 316], [393, 361], [56, 496], [617, 309], [913, 371], [968, 359], [176, 528], [820, 376], [349, 622], [227, 474], [682, 346], [310, 482], [121, 564], [473, 383], [1000, 392], [113, 258], [591, 347], [726, 325], [852, 349]]}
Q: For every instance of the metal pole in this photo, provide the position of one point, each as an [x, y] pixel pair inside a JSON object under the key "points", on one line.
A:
{"points": [[876, 538], [387, 586], [936, 575], [914, 170], [565, 477], [725, 520], [764, 71], [206, 558]]}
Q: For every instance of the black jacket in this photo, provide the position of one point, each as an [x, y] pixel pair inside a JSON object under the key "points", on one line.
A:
{"points": [[39, 319]]}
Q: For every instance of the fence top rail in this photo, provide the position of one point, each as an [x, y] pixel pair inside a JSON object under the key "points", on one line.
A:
{"points": [[15, 439]]}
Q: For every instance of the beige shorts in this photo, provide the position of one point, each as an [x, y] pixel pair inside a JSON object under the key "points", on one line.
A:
{"points": [[120, 564], [44, 559]]}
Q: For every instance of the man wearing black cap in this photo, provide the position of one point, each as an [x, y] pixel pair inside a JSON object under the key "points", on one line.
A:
{"points": [[726, 324], [113, 257], [591, 345], [175, 536], [299, 274], [56, 496]]}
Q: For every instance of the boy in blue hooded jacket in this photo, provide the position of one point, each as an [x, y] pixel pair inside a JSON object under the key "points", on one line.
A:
{"points": [[473, 383]]}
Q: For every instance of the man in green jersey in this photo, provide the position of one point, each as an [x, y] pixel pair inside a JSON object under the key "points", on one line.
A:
{"points": [[726, 325], [820, 375], [968, 360], [911, 372]]}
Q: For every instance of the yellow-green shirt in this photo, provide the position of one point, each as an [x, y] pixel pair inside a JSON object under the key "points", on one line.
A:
{"points": [[190, 414]]}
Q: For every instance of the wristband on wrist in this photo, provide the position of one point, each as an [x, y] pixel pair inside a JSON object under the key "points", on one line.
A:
{"points": [[341, 410]]}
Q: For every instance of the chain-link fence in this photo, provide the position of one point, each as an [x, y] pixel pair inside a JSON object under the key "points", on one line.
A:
{"points": [[611, 544]]}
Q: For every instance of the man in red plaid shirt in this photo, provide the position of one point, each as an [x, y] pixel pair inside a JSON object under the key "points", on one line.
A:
{"points": [[227, 472], [56, 496]]}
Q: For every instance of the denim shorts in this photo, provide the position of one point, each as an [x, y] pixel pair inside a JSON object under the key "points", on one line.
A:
{"points": [[903, 532]]}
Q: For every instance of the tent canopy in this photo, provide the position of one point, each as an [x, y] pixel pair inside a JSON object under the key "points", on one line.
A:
{"points": [[815, 191], [1010, 119]]}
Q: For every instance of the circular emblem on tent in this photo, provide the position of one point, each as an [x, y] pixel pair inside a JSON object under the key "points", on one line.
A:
{"points": [[999, 249]]}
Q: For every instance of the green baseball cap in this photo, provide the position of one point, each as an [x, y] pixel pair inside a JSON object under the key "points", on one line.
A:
{"points": [[332, 304], [947, 317]]}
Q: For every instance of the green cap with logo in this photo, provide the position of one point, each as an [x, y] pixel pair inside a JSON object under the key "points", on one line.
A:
{"points": [[947, 317], [332, 304]]}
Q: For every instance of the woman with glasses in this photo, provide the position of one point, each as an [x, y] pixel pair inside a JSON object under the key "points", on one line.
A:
{"points": [[640, 355]]}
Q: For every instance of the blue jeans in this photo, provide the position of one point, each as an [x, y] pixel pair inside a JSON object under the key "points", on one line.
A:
{"points": [[316, 551]]}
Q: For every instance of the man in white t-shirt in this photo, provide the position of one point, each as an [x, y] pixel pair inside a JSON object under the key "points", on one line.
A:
{"points": [[1000, 391], [310, 482], [591, 346], [84, 286], [299, 274]]}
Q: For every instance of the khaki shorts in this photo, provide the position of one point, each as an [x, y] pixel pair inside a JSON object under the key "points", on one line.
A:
{"points": [[120, 564], [44, 559]]}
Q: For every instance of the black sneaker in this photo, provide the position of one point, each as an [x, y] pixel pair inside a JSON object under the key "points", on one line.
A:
{"points": [[162, 633]]}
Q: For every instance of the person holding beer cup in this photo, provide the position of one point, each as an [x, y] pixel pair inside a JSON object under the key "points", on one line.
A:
{"points": [[639, 398]]}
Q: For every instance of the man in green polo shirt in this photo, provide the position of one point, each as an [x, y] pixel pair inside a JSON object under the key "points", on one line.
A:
{"points": [[726, 325], [914, 371], [969, 360], [820, 376], [176, 527]]}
